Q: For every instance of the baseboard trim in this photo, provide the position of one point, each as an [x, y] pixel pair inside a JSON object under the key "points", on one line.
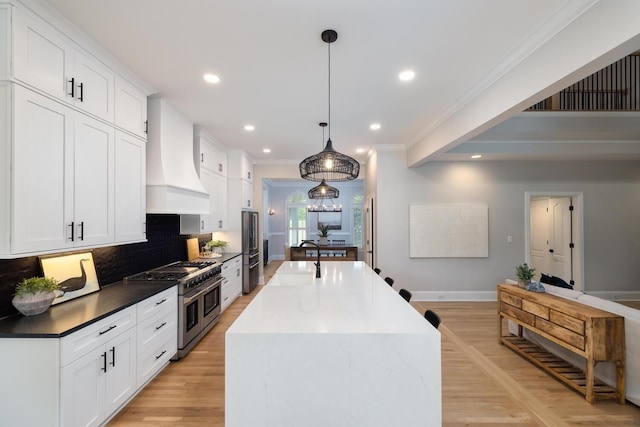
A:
{"points": [[454, 296]]}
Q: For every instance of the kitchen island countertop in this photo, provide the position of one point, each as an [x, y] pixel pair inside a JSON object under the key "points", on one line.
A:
{"points": [[342, 350]]}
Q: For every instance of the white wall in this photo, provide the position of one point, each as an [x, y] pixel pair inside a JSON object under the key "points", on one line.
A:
{"points": [[611, 221]]}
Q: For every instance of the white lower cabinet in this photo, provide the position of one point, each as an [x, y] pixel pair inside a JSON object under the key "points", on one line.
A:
{"points": [[86, 377], [98, 383], [231, 282]]}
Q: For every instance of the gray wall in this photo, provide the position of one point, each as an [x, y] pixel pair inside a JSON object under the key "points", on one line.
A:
{"points": [[611, 220]]}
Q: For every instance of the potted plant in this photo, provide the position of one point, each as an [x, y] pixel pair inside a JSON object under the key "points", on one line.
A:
{"points": [[217, 245], [525, 274], [323, 233], [34, 295]]}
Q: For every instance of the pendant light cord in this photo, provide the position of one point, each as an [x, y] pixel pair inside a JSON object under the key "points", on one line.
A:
{"points": [[329, 46]]}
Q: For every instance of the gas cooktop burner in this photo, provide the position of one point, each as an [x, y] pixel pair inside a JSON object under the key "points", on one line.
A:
{"points": [[188, 273]]}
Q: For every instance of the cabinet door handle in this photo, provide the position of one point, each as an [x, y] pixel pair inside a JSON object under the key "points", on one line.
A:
{"points": [[161, 354], [201, 157], [202, 225], [107, 330], [219, 167], [104, 362], [81, 87], [72, 225], [220, 224], [248, 203], [113, 356], [146, 126], [73, 87], [248, 175], [160, 327], [160, 302], [81, 230]]}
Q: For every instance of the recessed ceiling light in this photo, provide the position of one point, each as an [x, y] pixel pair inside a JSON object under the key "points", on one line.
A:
{"points": [[374, 126], [249, 128], [476, 156], [406, 75], [359, 150], [211, 78], [266, 150]]}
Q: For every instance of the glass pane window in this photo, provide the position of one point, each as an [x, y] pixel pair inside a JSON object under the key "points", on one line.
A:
{"points": [[358, 220], [296, 218]]}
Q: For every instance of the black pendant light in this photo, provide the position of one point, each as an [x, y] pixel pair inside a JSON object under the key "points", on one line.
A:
{"points": [[329, 164], [324, 191]]}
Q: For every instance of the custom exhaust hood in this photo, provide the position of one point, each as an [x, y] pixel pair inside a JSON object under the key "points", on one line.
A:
{"points": [[173, 186]]}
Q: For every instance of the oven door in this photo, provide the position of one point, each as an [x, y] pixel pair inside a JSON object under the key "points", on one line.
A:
{"points": [[190, 317], [211, 302]]}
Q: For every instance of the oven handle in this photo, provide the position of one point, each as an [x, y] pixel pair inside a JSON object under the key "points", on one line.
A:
{"points": [[214, 284], [251, 267], [254, 255], [188, 300]]}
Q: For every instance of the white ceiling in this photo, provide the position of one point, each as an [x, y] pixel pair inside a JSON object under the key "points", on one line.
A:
{"points": [[273, 66]]}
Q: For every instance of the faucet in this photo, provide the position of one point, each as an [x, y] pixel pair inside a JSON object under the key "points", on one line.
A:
{"points": [[317, 264]]}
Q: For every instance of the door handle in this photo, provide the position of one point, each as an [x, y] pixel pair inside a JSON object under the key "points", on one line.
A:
{"points": [[113, 356]]}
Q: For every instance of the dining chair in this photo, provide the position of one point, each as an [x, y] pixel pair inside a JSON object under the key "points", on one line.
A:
{"points": [[377, 270], [432, 317], [405, 294], [389, 280]]}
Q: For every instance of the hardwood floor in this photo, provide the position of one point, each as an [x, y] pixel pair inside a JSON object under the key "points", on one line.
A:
{"points": [[483, 382]]}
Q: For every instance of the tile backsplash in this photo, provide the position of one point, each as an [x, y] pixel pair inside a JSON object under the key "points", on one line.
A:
{"points": [[164, 245]]}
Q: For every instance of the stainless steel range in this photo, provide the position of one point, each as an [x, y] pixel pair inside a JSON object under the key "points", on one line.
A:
{"points": [[198, 297]]}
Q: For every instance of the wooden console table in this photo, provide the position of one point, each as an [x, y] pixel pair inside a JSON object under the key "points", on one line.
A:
{"points": [[328, 252], [594, 334]]}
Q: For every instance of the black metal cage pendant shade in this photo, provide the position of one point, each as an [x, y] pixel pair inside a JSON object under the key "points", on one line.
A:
{"points": [[329, 164], [324, 191]]}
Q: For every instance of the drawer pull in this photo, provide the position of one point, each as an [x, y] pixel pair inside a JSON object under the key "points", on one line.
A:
{"points": [[158, 327], [160, 355], [110, 328], [113, 356], [104, 362], [160, 302]]}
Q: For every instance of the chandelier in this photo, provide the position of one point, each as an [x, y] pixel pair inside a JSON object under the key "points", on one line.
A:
{"points": [[329, 164]]}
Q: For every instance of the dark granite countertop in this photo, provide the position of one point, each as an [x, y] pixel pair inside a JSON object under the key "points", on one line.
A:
{"points": [[225, 257], [70, 316]]}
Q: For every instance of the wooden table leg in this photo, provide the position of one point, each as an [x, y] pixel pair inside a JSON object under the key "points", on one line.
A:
{"points": [[589, 392], [620, 384]]}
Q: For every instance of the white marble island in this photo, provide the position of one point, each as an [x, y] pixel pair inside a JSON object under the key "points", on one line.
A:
{"points": [[342, 350]]}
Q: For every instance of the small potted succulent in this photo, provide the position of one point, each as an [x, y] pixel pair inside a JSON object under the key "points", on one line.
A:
{"points": [[217, 245], [323, 233], [34, 295], [525, 274]]}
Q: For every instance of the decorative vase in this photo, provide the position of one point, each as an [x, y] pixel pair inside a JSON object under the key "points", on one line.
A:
{"points": [[522, 283], [323, 240], [217, 250], [32, 304]]}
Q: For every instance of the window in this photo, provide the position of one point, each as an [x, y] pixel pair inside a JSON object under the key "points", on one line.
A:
{"points": [[296, 218], [358, 220]]}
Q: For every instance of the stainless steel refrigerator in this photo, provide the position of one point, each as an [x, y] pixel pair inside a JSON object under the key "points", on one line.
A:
{"points": [[250, 252]]}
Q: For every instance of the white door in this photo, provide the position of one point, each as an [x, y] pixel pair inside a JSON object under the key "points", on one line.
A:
{"points": [[42, 192], [130, 108], [94, 87], [130, 188], [42, 58], [82, 390], [121, 370], [93, 182], [539, 249], [560, 238]]}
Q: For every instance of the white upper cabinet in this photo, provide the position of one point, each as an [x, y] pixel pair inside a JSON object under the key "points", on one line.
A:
{"points": [[62, 179], [130, 191], [131, 108], [47, 62]]}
